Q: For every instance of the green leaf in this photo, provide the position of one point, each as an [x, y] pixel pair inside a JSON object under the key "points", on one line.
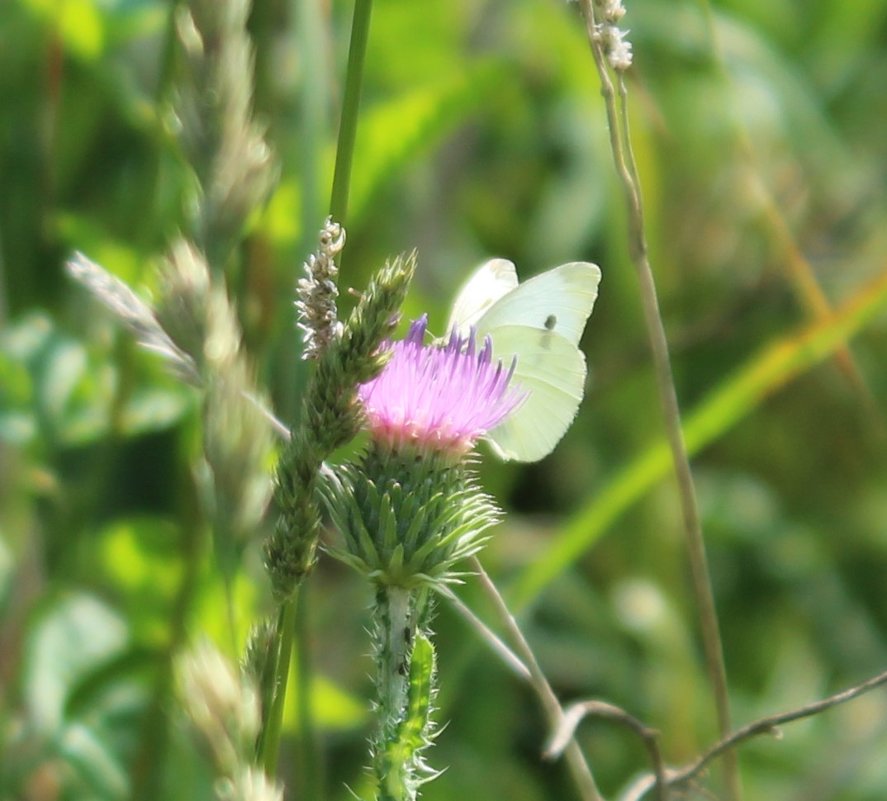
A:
{"points": [[52, 385], [98, 769], [72, 635], [17, 423], [152, 409], [392, 134]]}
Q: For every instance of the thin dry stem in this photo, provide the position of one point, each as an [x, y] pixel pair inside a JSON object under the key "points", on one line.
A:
{"points": [[576, 713], [486, 634], [765, 725], [579, 768], [620, 142]]}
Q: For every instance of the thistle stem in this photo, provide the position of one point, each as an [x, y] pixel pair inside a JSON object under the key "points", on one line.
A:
{"points": [[404, 688], [620, 143], [579, 769], [399, 628], [360, 31]]}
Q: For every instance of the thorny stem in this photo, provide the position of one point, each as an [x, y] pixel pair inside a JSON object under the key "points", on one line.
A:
{"points": [[579, 768], [620, 143], [397, 760], [399, 618]]}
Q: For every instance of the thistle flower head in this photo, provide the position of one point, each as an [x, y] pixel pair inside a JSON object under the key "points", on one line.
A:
{"points": [[440, 399], [409, 508]]}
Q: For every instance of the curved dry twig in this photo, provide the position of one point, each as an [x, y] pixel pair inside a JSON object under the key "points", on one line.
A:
{"points": [[576, 713], [576, 762], [765, 725]]}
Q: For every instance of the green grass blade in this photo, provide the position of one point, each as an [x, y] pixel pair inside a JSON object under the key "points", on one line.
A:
{"points": [[740, 394], [393, 134]]}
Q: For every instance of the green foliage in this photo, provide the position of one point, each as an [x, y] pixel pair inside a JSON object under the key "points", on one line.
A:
{"points": [[80, 699], [759, 139], [58, 393]]}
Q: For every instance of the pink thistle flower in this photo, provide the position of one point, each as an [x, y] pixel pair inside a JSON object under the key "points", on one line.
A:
{"points": [[441, 398]]}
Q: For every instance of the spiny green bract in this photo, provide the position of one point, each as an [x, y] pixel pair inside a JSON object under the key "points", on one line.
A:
{"points": [[407, 518]]}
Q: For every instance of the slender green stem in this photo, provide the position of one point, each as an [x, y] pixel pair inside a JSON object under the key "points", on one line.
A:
{"points": [[338, 207], [788, 252], [309, 756], [312, 130], [267, 682], [579, 769], [283, 648], [620, 143], [307, 154], [360, 30], [268, 685], [263, 29]]}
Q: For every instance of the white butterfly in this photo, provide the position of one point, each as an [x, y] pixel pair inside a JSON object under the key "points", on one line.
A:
{"points": [[540, 321]]}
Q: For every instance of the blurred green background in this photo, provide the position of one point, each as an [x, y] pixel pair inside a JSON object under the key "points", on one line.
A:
{"points": [[759, 127]]}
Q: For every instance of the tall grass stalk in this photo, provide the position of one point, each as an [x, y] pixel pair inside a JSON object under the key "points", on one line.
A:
{"points": [[145, 778], [623, 156], [313, 101], [282, 648], [338, 206], [360, 34]]}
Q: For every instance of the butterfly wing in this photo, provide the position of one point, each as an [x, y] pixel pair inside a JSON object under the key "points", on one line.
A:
{"points": [[552, 371], [558, 301], [540, 322], [488, 284]]}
